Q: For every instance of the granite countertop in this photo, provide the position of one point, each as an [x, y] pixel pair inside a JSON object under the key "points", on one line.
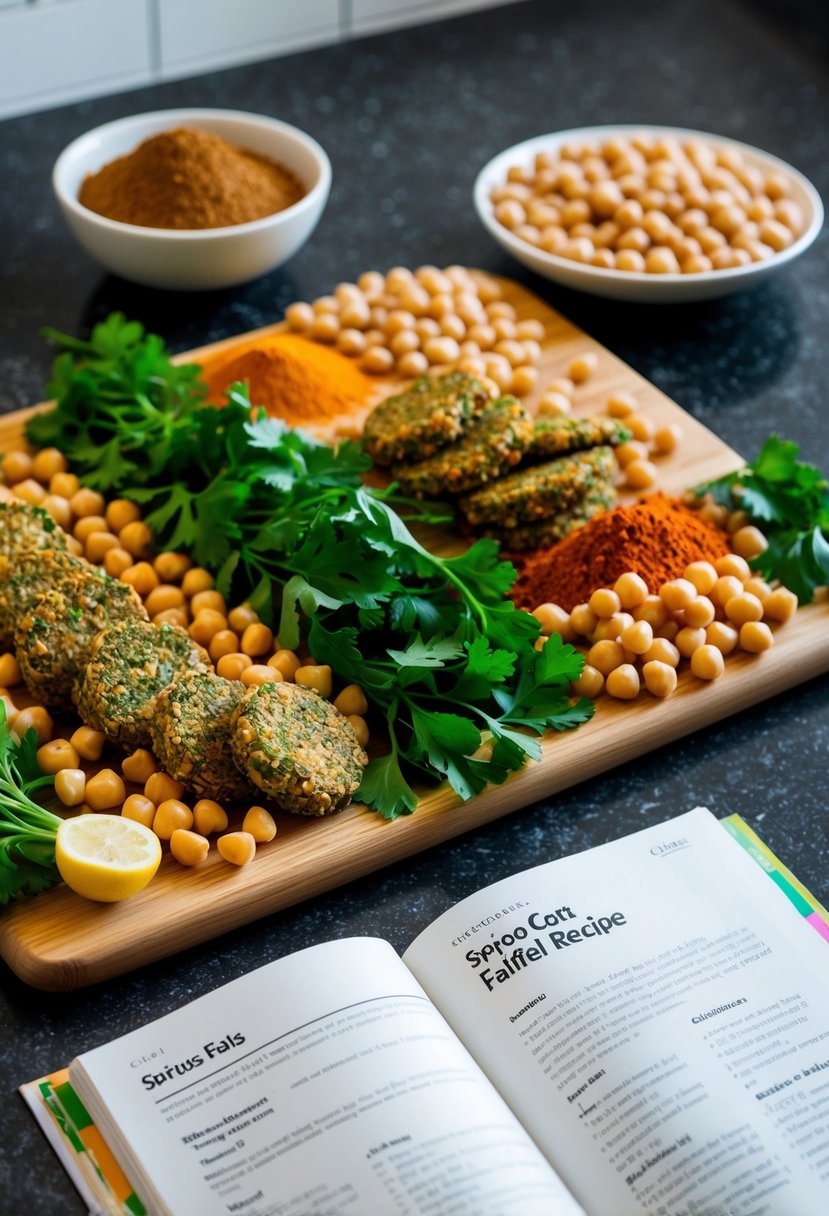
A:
{"points": [[408, 119]]}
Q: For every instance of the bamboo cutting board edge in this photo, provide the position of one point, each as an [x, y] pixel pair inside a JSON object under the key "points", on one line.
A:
{"points": [[58, 942]]}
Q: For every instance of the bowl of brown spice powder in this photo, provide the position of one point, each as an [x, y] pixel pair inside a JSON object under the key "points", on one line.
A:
{"points": [[192, 199]]}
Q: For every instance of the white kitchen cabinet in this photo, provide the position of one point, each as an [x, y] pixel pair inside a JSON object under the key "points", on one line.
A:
{"points": [[54, 52], [194, 36]]}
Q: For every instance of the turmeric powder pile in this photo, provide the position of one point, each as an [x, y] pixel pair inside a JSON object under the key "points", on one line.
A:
{"points": [[189, 179], [294, 379]]}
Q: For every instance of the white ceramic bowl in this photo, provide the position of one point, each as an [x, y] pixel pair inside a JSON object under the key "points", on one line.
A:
{"points": [[204, 258], [631, 285]]}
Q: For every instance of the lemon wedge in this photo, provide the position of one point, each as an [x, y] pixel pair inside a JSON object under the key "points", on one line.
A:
{"points": [[105, 857]]}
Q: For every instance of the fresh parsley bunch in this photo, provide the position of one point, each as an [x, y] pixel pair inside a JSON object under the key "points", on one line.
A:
{"points": [[27, 830], [789, 500], [287, 522]]}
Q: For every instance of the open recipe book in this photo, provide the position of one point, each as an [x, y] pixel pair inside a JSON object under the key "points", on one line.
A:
{"points": [[641, 1028]]}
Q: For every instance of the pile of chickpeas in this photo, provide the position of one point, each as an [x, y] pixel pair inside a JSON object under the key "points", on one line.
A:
{"points": [[174, 591], [634, 636], [410, 323], [649, 203]]}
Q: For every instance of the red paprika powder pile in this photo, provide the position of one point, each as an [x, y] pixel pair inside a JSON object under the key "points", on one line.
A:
{"points": [[655, 538]]}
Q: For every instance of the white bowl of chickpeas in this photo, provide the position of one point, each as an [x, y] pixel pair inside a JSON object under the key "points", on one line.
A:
{"points": [[657, 214]]}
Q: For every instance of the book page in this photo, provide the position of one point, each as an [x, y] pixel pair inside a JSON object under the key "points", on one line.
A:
{"points": [[324, 1083], [656, 1012]]}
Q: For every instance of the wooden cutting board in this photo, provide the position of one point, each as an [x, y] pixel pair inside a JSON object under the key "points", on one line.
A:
{"points": [[59, 941]]}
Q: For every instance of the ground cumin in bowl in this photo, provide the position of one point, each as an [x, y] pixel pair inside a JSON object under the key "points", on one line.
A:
{"points": [[192, 199]]}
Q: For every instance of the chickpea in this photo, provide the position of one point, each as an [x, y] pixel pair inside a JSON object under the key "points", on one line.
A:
{"points": [[721, 635], [60, 510], [241, 616], [261, 673], [260, 824], [653, 610], [88, 743], [141, 576], [159, 788], [16, 467], [554, 405], [582, 367], [162, 597], [299, 316], [206, 625], [666, 439], [662, 651], [105, 790], [222, 643], [286, 662], [689, 639], [316, 676], [116, 561], [98, 545], [605, 655], [552, 619], [206, 599], [700, 613], [9, 671], [172, 616], [35, 718], [637, 637], [640, 474], [584, 620], [88, 524], [87, 502], [703, 575], [623, 682], [781, 605], [171, 567], [621, 405], [755, 637], [139, 766], [631, 589], [743, 607], [196, 579], [632, 450], [70, 786], [29, 491], [669, 630], [748, 542], [725, 588], [659, 678], [707, 662], [351, 700], [377, 361], [120, 512], [612, 627], [64, 485], [589, 684], [524, 380], [136, 538], [209, 817], [56, 755], [413, 364], [733, 564], [677, 594], [257, 640], [188, 848], [231, 666], [170, 815], [238, 848], [139, 808]]}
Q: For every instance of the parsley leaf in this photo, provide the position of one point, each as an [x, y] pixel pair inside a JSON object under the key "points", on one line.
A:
{"points": [[789, 500], [27, 830]]}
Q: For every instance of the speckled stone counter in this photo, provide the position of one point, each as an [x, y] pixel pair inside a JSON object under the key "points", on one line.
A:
{"points": [[408, 118]]}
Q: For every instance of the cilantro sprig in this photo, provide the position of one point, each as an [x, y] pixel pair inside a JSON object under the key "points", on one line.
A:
{"points": [[789, 501], [441, 652], [27, 830]]}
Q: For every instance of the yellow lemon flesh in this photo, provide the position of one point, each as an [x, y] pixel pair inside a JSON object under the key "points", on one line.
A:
{"points": [[105, 857]]}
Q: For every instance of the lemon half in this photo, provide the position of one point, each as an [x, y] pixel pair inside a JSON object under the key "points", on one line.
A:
{"points": [[105, 857]]}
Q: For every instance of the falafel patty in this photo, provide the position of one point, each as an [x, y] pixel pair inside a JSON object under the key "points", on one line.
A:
{"points": [[54, 635], [190, 732], [556, 436], [435, 411], [554, 528], [24, 530], [493, 443], [296, 747], [542, 490], [131, 662]]}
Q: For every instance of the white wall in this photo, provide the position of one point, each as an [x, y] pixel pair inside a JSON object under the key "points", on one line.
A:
{"points": [[57, 51]]}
